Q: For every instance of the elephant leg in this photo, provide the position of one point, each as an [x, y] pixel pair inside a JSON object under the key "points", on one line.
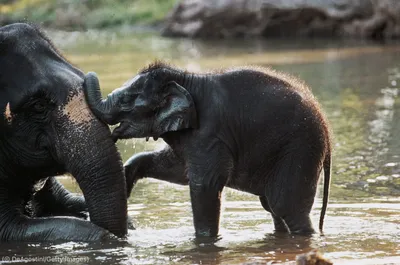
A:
{"points": [[291, 191], [14, 226], [52, 229], [163, 165], [55, 200], [279, 224], [208, 175]]}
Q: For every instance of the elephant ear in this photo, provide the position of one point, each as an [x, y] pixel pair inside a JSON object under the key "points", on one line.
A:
{"points": [[176, 111]]}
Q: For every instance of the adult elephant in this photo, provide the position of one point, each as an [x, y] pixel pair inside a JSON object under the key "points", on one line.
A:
{"points": [[47, 129], [251, 129]]}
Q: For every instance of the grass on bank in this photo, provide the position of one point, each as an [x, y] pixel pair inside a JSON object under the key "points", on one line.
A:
{"points": [[82, 14]]}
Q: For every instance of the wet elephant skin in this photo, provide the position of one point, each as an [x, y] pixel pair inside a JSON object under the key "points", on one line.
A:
{"points": [[252, 129], [47, 129]]}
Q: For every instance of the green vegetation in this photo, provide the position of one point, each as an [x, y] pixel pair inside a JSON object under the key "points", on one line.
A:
{"points": [[83, 14]]}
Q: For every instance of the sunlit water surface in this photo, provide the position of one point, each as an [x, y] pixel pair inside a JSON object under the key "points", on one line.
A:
{"points": [[358, 87]]}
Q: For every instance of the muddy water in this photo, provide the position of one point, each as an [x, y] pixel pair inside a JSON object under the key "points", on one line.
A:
{"points": [[358, 85]]}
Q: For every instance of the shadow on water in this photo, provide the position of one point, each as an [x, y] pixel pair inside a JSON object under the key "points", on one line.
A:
{"points": [[358, 86]]}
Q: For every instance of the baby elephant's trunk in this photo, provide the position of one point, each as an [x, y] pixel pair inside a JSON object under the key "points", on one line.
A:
{"points": [[101, 108]]}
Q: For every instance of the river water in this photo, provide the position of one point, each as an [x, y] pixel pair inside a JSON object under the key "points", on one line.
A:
{"points": [[358, 85]]}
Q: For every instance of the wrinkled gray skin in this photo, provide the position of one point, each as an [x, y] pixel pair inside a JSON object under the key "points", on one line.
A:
{"points": [[47, 129], [254, 130]]}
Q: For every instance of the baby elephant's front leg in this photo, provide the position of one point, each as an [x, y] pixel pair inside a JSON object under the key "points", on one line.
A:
{"points": [[163, 165]]}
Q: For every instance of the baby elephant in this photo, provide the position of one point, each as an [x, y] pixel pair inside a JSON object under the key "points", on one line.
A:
{"points": [[250, 129]]}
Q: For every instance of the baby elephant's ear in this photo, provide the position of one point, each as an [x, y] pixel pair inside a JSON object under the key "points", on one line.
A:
{"points": [[176, 111]]}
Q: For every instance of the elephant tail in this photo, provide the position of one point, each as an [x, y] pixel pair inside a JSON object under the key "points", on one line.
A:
{"points": [[327, 180]]}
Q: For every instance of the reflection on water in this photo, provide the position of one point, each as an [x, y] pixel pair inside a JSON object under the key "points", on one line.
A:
{"points": [[354, 231], [358, 86]]}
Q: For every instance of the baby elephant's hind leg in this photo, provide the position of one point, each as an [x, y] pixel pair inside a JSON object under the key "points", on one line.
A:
{"points": [[279, 224], [291, 191]]}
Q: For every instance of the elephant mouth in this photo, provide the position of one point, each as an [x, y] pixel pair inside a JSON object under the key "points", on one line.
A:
{"points": [[127, 130]]}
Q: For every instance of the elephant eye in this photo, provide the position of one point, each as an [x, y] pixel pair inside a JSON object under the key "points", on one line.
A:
{"points": [[39, 106], [127, 99]]}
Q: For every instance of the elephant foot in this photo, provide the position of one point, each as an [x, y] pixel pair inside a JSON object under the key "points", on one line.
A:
{"points": [[300, 225]]}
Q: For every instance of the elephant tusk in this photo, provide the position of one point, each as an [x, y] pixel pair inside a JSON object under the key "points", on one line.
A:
{"points": [[8, 114]]}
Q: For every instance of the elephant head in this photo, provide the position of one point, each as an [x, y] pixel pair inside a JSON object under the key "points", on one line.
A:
{"points": [[148, 105], [48, 129]]}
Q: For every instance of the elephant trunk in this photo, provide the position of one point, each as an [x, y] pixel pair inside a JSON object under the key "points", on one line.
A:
{"points": [[101, 108], [90, 155]]}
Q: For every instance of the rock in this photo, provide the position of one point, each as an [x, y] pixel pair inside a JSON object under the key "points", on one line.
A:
{"points": [[312, 258], [280, 18]]}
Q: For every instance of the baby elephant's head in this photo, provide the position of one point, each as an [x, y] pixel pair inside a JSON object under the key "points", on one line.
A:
{"points": [[145, 106]]}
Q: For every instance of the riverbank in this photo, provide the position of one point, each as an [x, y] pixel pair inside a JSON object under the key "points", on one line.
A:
{"points": [[375, 19], [82, 15], [217, 19]]}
